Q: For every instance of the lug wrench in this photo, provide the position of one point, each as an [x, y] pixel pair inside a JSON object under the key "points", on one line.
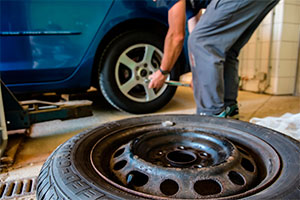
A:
{"points": [[172, 83]]}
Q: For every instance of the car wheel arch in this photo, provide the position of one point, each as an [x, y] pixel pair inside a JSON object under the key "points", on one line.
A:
{"points": [[128, 25]]}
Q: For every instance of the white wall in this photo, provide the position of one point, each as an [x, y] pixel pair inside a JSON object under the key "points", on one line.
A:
{"points": [[273, 72]]}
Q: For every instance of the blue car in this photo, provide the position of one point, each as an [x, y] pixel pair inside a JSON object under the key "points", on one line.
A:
{"points": [[67, 46]]}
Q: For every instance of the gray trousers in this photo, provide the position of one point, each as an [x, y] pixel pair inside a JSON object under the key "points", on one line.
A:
{"points": [[214, 46]]}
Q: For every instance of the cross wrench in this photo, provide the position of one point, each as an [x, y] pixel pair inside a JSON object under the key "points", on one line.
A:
{"points": [[172, 83]]}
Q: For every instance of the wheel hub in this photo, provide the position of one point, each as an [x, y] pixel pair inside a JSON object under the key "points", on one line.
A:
{"points": [[142, 72], [179, 164], [181, 158]]}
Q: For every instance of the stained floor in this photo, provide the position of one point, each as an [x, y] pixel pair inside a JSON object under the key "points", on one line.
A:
{"points": [[45, 137]]}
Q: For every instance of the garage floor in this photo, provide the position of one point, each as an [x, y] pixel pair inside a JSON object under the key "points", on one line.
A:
{"points": [[45, 137]]}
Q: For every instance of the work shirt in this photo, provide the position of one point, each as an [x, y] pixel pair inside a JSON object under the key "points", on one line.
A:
{"points": [[192, 6]]}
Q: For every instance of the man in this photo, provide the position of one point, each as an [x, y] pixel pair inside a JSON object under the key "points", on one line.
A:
{"points": [[214, 45]]}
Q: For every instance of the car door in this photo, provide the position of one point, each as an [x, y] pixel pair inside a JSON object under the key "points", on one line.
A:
{"points": [[45, 40]]}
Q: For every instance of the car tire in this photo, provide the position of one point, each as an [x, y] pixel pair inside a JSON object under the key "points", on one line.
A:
{"points": [[125, 68], [71, 172]]}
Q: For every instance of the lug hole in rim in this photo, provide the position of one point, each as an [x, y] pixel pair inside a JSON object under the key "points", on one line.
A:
{"points": [[204, 154], [119, 165], [247, 165], [236, 178], [137, 179], [181, 147], [169, 187], [207, 187], [119, 152]]}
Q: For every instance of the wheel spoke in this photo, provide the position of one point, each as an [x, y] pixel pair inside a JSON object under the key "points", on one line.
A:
{"points": [[149, 50], [150, 94], [152, 69], [126, 87], [124, 59]]}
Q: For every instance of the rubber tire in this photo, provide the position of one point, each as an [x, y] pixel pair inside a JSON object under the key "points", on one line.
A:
{"points": [[68, 174], [108, 84]]}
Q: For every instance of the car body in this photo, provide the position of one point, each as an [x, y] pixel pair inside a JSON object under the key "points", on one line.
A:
{"points": [[59, 45]]}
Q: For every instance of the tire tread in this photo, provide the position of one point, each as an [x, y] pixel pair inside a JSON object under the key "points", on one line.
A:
{"points": [[49, 188]]}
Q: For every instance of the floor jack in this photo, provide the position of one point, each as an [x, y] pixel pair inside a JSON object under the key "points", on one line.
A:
{"points": [[20, 115]]}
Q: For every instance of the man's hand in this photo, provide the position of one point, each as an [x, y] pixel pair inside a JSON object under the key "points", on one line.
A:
{"points": [[173, 43], [157, 80]]}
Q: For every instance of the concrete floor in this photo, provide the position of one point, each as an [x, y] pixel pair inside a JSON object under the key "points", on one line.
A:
{"points": [[45, 137]]}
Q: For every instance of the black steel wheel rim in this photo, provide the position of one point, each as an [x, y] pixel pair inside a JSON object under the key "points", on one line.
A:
{"points": [[181, 159]]}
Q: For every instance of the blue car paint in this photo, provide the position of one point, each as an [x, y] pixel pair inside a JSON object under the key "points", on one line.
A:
{"points": [[38, 57], [45, 51]]}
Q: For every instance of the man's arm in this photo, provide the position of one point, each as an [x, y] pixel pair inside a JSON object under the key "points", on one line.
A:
{"points": [[173, 43]]}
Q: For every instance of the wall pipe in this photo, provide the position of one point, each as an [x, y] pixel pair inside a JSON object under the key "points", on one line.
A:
{"points": [[297, 87], [268, 78]]}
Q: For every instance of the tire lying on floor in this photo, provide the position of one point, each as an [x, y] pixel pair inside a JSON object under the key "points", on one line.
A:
{"points": [[173, 157]]}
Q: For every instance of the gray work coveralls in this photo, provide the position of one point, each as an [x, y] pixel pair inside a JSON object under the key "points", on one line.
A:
{"points": [[214, 46]]}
